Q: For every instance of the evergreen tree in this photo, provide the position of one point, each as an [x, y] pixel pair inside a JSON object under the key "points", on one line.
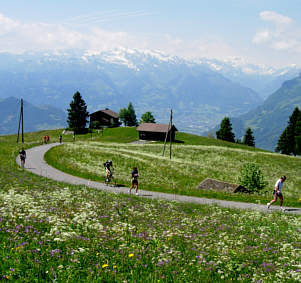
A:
{"points": [[248, 138], [298, 136], [147, 117], [128, 116], [282, 143], [225, 131], [77, 114], [287, 141]]}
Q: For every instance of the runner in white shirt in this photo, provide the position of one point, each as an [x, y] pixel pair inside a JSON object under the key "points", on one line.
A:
{"points": [[278, 192]]}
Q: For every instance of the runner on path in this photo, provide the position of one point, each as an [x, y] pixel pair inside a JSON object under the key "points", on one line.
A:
{"points": [[277, 193], [134, 180]]}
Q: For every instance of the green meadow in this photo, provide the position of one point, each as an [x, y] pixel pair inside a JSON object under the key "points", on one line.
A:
{"points": [[193, 159], [55, 232]]}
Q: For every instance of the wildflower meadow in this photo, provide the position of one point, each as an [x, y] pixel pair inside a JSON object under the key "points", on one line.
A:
{"points": [[54, 232]]}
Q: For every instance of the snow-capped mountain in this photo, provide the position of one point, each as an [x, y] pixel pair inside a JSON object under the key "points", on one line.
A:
{"points": [[201, 92]]}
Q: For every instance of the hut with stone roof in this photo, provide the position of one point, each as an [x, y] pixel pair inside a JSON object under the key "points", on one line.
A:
{"points": [[156, 132], [105, 118]]}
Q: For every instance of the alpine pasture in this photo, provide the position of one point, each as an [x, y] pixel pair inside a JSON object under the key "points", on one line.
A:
{"points": [[54, 232]]}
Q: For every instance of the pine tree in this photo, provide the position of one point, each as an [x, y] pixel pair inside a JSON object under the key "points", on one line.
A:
{"points": [[248, 138], [282, 143], [298, 135], [147, 117], [225, 131], [77, 114], [132, 116], [128, 116], [287, 141]]}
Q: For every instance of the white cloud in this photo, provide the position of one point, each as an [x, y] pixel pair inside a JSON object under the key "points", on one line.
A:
{"points": [[283, 35], [205, 47], [261, 36], [18, 37], [275, 17]]}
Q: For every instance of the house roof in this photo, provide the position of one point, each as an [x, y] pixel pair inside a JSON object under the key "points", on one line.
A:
{"points": [[108, 112], [152, 127]]}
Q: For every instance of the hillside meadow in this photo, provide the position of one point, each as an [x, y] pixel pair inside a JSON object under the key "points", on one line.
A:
{"points": [[54, 232], [194, 158]]}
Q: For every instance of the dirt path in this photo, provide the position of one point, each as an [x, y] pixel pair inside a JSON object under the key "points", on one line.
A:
{"points": [[36, 164]]}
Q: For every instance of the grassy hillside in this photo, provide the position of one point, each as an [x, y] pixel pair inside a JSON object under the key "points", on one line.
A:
{"points": [[54, 232], [194, 158]]}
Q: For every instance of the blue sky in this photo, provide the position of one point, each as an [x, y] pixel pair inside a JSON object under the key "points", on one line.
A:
{"points": [[259, 31]]}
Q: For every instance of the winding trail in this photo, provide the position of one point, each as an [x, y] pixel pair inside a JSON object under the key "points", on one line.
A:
{"points": [[36, 164]]}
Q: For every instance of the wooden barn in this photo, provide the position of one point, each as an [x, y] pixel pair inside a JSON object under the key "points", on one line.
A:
{"points": [[156, 132], [105, 118]]}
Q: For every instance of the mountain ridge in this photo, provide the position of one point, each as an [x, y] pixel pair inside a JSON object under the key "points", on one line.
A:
{"points": [[152, 81]]}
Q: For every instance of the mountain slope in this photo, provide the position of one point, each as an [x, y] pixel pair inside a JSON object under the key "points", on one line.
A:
{"points": [[35, 118], [270, 119]]}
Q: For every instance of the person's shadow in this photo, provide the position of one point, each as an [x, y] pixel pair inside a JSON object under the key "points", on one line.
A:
{"points": [[292, 209]]}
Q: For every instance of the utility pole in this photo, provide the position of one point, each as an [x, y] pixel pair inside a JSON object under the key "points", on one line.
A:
{"points": [[21, 123], [168, 131], [170, 137]]}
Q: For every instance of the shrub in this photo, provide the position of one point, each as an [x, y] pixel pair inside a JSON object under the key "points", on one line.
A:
{"points": [[252, 178]]}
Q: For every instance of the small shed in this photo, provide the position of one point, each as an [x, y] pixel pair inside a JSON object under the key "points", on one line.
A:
{"points": [[156, 132], [105, 118]]}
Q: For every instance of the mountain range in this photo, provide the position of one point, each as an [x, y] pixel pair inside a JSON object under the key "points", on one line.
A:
{"points": [[201, 91], [152, 81]]}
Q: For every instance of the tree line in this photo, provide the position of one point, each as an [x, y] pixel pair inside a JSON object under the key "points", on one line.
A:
{"points": [[225, 133], [78, 115], [289, 141]]}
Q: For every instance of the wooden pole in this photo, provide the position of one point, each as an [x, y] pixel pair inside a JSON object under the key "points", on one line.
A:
{"points": [[21, 123], [169, 127], [170, 137], [19, 127], [22, 120]]}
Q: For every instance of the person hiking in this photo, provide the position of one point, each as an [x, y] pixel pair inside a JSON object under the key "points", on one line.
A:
{"points": [[22, 153], [60, 138], [134, 180], [277, 193]]}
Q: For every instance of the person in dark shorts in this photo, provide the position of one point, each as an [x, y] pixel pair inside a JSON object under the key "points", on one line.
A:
{"points": [[134, 180], [277, 193], [22, 154]]}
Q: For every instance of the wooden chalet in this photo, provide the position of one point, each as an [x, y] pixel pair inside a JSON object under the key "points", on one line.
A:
{"points": [[106, 118], [156, 132]]}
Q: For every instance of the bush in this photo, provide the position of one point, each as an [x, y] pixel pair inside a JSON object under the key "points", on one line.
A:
{"points": [[252, 178]]}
